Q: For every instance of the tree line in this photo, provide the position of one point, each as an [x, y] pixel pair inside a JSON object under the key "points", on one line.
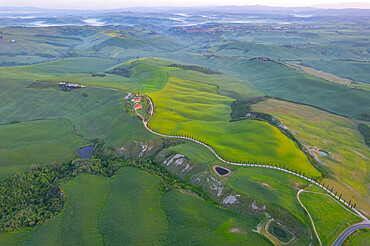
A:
{"points": [[205, 70], [30, 198]]}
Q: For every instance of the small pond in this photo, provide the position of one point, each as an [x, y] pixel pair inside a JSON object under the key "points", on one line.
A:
{"points": [[85, 152], [323, 152], [222, 171]]}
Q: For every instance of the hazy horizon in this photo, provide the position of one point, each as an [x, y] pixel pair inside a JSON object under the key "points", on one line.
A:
{"points": [[112, 4]]}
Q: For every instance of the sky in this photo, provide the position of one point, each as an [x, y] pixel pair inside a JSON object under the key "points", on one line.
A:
{"points": [[112, 4]]}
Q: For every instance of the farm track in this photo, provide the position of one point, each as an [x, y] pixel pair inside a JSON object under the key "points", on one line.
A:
{"points": [[309, 215], [338, 199]]}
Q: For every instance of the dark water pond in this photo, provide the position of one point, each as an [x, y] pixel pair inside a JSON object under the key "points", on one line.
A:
{"points": [[323, 152], [86, 152], [221, 171]]}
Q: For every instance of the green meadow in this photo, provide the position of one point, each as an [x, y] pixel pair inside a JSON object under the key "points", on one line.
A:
{"points": [[355, 70], [37, 142], [279, 190], [329, 217], [346, 166], [74, 70], [147, 74], [132, 214], [196, 109], [280, 81], [270, 186], [95, 112], [360, 239], [194, 152], [112, 211], [79, 220], [192, 221], [300, 52]]}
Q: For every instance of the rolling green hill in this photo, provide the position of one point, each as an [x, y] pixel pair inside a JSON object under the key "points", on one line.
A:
{"points": [[113, 210], [95, 112], [289, 52], [347, 159], [357, 71], [196, 108], [37, 142], [277, 80]]}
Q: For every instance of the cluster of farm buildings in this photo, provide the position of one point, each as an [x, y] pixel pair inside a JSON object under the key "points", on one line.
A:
{"points": [[137, 101], [69, 85]]}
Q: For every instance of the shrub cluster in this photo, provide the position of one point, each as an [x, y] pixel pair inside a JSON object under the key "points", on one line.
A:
{"points": [[365, 131], [125, 72], [205, 70]]}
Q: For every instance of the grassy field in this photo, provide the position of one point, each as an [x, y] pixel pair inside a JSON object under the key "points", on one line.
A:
{"points": [[96, 114], [133, 214], [148, 74], [329, 76], [194, 108], [13, 238], [37, 142], [195, 153], [129, 209], [277, 190], [329, 216], [192, 221], [277, 80], [226, 85], [271, 187], [78, 223], [303, 52], [360, 239], [357, 71], [74, 70], [346, 165]]}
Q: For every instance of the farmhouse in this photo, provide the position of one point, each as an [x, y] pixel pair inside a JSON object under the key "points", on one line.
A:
{"points": [[137, 99], [73, 85], [64, 84], [137, 106]]}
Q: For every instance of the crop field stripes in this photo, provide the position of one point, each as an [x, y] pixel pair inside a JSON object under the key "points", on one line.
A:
{"points": [[330, 192]]}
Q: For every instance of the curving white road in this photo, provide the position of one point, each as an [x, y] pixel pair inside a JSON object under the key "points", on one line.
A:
{"points": [[342, 236], [248, 165]]}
